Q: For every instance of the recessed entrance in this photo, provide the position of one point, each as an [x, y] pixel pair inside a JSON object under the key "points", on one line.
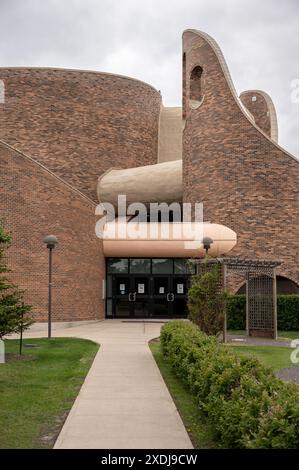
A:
{"points": [[158, 291]]}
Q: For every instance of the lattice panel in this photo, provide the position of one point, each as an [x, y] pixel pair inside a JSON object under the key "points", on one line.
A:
{"points": [[260, 301], [260, 276]]}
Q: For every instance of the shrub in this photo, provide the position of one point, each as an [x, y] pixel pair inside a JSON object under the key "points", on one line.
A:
{"points": [[287, 312], [246, 404], [236, 312], [206, 301]]}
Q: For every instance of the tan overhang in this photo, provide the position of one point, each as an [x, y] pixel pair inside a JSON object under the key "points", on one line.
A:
{"points": [[152, 183], [178, 240]]}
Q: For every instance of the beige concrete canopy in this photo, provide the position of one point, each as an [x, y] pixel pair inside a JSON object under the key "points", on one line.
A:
{"points": [[152, 183], [125, 239]]}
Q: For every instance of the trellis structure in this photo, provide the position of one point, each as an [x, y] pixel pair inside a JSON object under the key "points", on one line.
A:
{"points": [[261, 295]]}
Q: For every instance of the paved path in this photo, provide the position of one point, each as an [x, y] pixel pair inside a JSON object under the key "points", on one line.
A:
{"points": [[123, 402], [255, 341], [289, 374]]}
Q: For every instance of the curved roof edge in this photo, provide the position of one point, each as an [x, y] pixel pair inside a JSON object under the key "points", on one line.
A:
{"points": [[44, 168], [272, 111], [109, 170], [98, 72], [219, 54]]}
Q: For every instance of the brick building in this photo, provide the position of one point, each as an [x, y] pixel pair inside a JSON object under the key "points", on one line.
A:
{"points": [[69, 138]]}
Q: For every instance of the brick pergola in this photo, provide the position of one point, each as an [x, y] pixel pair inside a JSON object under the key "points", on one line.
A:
{"points": [[261, 296]]}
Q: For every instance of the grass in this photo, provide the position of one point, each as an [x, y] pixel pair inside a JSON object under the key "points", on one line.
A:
{"points": [[288, 334], [199, 430], [275, 357], [36, 393], [281, 334]]}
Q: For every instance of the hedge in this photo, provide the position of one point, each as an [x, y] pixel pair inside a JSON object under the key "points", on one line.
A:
{"points": [[287, 312], [242, 399]]}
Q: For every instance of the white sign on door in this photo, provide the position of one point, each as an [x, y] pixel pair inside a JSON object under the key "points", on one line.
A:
{"points": [[180, 288], [122, 288], [140, 288]]}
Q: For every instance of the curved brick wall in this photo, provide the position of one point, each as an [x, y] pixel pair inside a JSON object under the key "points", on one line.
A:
{"points": [[260, 105], [244, 179], [80, 123], [34, 203]]}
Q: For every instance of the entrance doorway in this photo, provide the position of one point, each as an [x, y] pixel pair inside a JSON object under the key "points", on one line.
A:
{"points": [[151, 294]]}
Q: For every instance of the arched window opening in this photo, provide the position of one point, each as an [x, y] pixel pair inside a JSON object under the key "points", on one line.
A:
{"points": [[284, 287], [196, 88], [2, 92]]}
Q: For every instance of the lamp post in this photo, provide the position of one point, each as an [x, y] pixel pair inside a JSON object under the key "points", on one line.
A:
{"points": [[51, 241], [207, 242]]}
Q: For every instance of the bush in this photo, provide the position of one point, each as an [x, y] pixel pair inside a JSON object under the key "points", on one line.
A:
{"points": [[236, 312], [246, 404], [206, 301], [287, 312]]}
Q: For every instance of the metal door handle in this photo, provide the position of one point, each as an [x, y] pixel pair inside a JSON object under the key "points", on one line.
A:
{"points": [[132, 296], [170, 297]]}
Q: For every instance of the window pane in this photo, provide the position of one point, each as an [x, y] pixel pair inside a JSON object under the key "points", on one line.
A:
{"points": [[162, 266], [180, 266], [117, 265], [183, 266], [191, 267], [141, 265]]}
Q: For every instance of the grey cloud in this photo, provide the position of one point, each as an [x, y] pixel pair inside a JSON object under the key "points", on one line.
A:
{"points": [[142, 39]]}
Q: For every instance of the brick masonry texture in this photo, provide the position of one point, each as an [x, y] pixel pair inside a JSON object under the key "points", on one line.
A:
{"points": [[33, 204], [79, 123], [259, 110], [244, 180]]}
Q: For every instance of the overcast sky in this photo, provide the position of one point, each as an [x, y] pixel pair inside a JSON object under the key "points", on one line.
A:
{"points": [[142, 39]]}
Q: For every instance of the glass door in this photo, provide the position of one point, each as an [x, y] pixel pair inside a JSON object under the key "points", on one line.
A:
{"points": [[140, 296], [122, 296], [180, 286], [131, 295], [143, 287], [161, 297]]}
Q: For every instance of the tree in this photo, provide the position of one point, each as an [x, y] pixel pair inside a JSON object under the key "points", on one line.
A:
{"points": [[206, 301], [14, 314]]}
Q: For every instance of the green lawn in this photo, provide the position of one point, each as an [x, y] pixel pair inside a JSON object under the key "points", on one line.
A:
{"points": [[37, 393], [275, 357], [288, 334], [200, 432]]}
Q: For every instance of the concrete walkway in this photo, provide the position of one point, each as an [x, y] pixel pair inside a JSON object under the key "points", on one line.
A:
{"points": [[124, 402], [255, 341]]}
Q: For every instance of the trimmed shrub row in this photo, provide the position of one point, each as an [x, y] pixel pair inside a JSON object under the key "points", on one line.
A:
{"points": [[246, 404], [287, 312]]}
